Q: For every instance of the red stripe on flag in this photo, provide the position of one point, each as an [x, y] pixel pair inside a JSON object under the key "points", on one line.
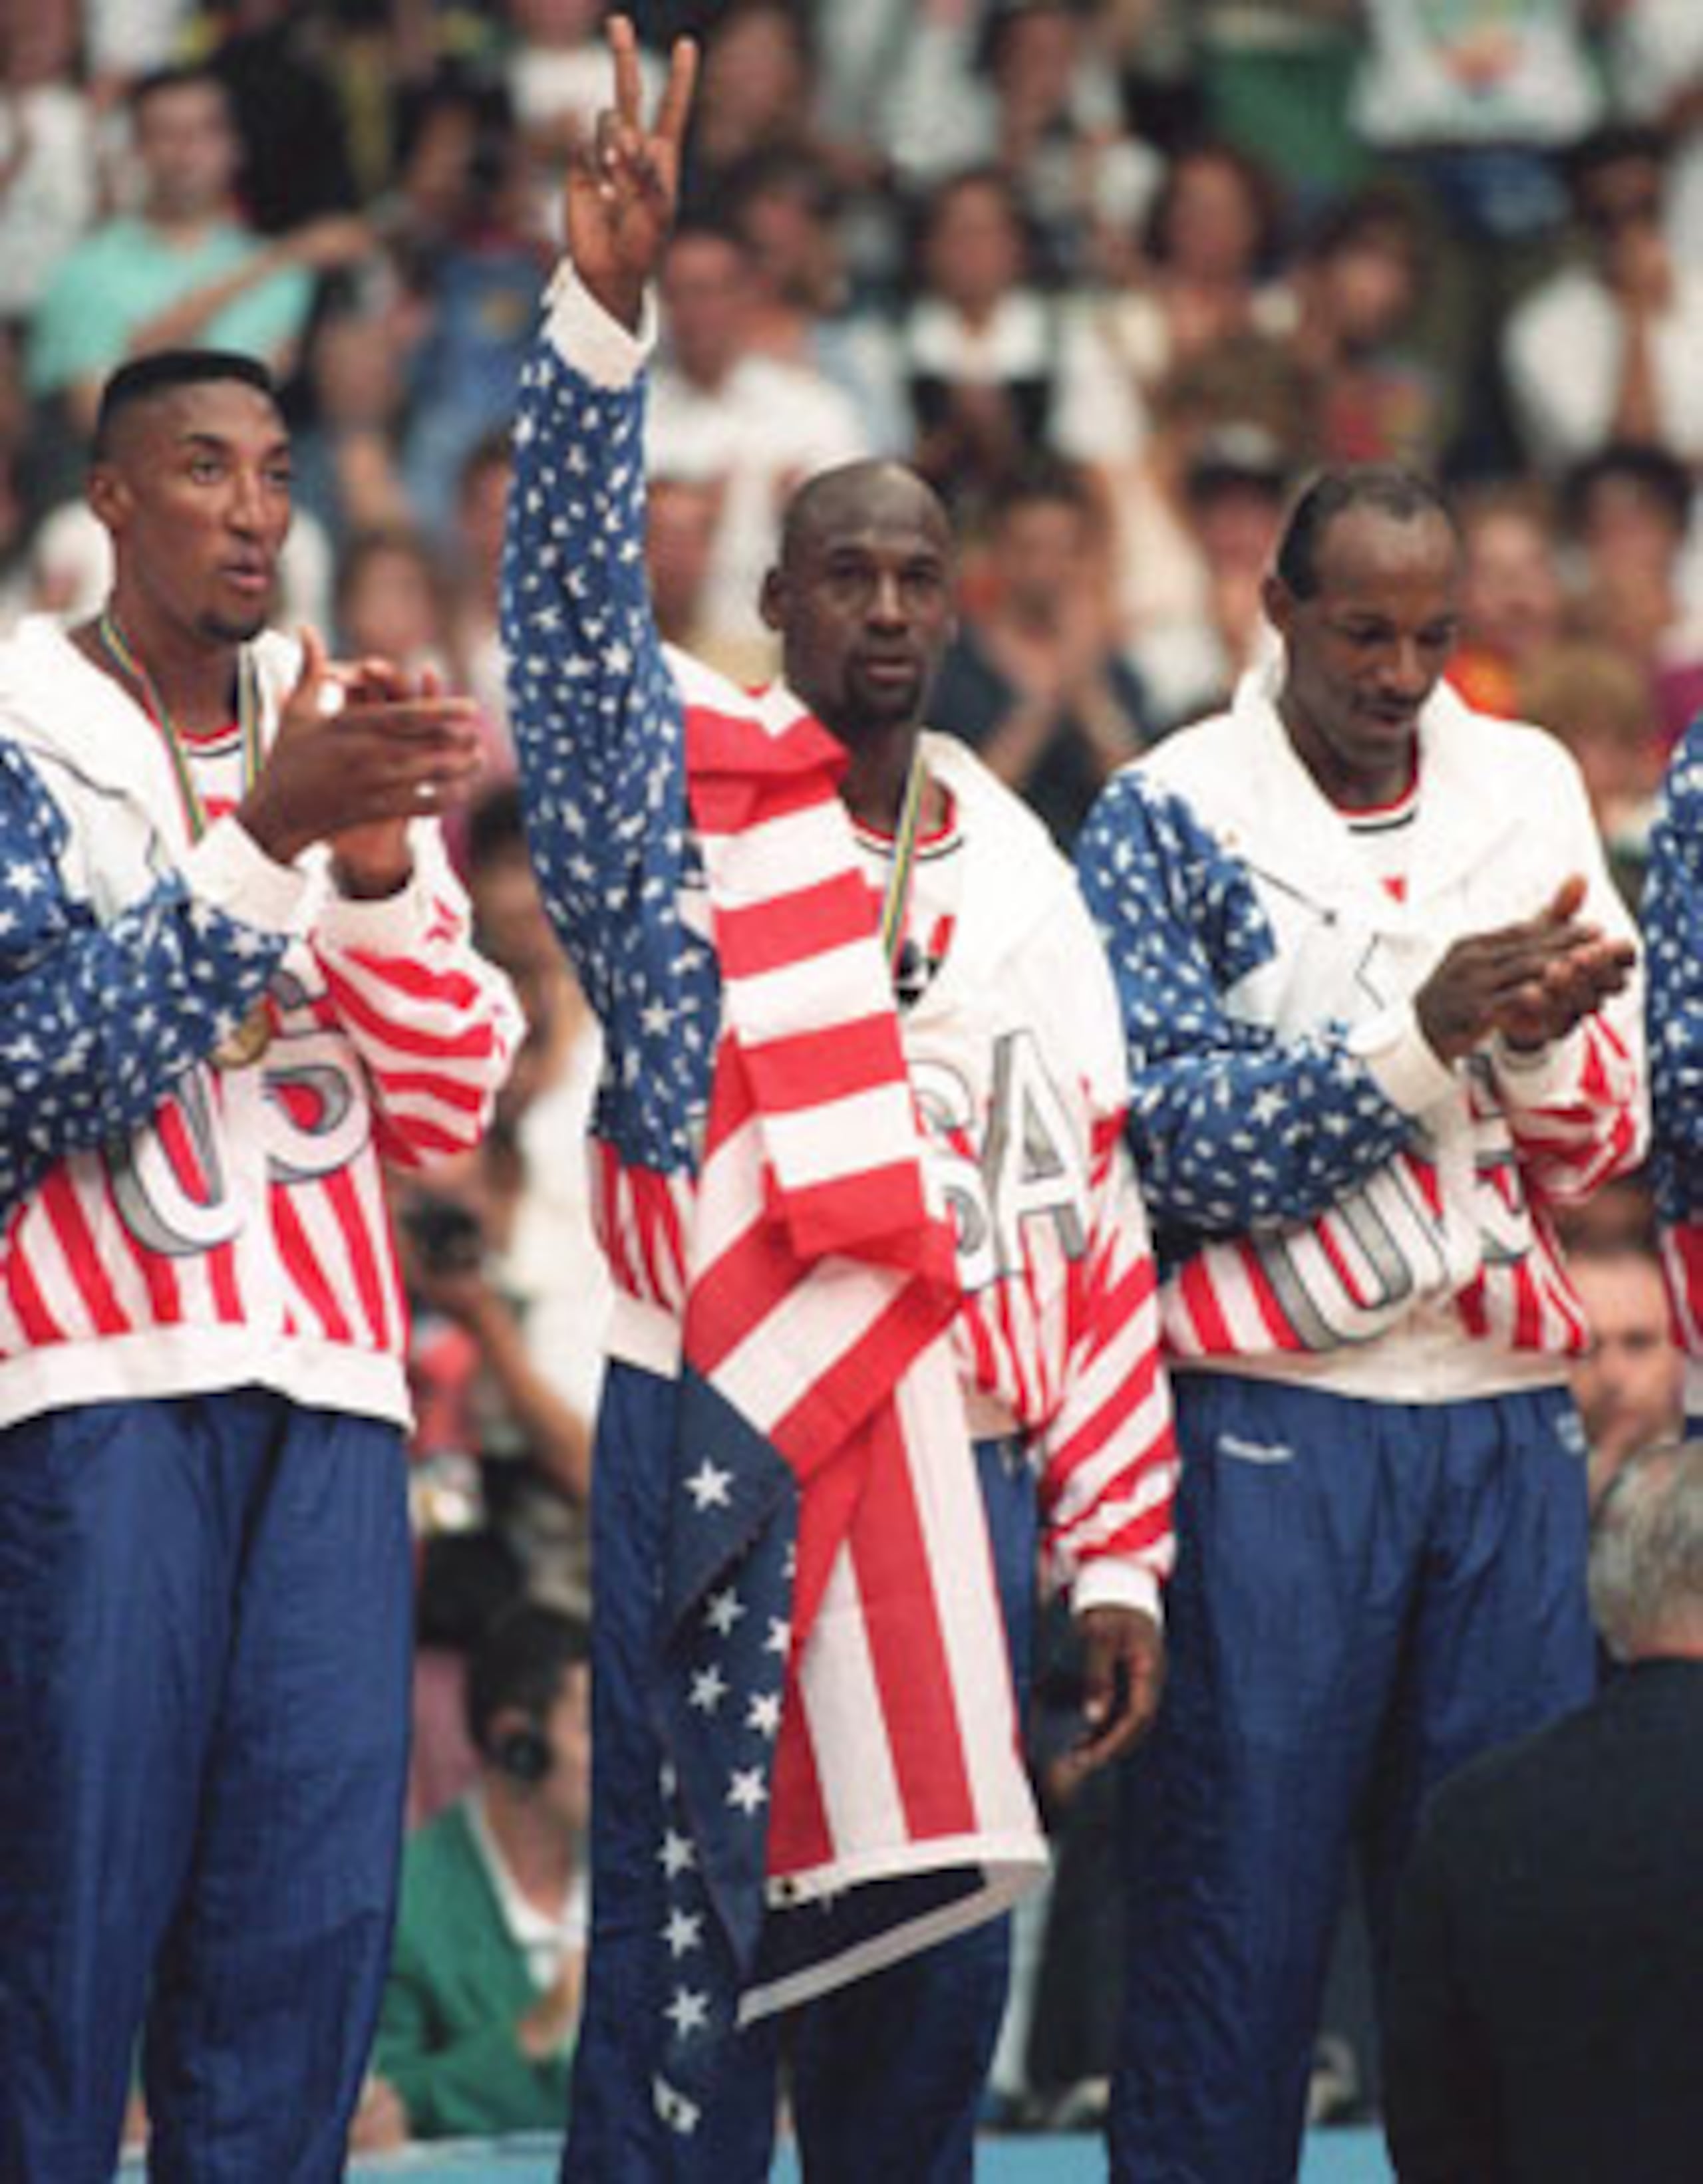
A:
{"points": [[878, 1214], [799, 1838], [907, 1649], [786, 930], [834, 1062], [847, 1389], [730, 1299]]}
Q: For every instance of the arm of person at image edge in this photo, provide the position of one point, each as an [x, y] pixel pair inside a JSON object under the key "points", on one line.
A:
{"points": [[436, 1027], [1234, 1128], [1672, 915], [462, 2042], [100, 1021], [597, 717]]}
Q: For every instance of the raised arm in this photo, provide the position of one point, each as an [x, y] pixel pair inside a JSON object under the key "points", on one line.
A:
{"points": [[597, 717]]}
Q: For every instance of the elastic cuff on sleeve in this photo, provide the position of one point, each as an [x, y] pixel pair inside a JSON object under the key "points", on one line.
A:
{"points": [[1106, 1582], [583, 334], [1401, 1060], [1537, 1075], [228, 868], [387, 924]]}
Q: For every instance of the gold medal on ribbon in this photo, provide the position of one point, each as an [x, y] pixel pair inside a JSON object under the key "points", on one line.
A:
{"points": [[241, 1048]]}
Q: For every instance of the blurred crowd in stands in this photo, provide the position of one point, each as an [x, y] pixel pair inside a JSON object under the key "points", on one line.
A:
{"points": [[1114, 274]]}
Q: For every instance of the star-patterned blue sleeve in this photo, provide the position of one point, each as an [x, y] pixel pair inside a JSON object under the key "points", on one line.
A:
{"points": [[98, 1022], [597, 716], [1673, 917], [599, 731], [1232, 1127]]}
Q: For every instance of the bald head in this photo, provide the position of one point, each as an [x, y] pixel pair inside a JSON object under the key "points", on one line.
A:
{"points": [[854, 497], [862, 598]]}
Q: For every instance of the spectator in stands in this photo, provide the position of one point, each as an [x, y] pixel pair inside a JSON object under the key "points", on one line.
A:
{"points": [[1053, 122], [502, 1248], [1236, 481], [481, 493], [1606, 349], [1627, 512], [182, 268], [353, 387], [1627, 1383], [1547, 1985], [479, 281], [1036, 680], [1210, 251], [757, 94], [49, 174], [790, 213], [1357, 286], [720, 413], [1600, 700], [391, 598], [274, 59], [1513, 600], [476, 2029], [1250, 393], [995, 369]]}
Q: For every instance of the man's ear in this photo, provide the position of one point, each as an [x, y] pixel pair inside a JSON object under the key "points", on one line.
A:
{"points": [[109, 497], [771, 599], [1278, 601]]}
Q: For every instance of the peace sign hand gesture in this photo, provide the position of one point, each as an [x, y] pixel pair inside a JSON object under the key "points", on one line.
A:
{"points": [[624, 182]]}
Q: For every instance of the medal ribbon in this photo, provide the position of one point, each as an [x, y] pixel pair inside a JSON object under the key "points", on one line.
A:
{"points": [[118, 650], [897, 901]]}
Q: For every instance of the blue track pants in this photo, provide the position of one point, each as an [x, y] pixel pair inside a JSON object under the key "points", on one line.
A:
{"points": [[204, 1659], [1366, 1595]]}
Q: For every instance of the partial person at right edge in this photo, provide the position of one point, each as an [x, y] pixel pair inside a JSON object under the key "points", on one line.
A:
{"points": [[1672, 915], [1547, 1982]]}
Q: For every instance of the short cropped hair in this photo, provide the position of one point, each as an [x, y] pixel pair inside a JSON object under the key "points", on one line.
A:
{"points": [[1646, 1553], [519, 1663], [146, 378], [1387, 487]]}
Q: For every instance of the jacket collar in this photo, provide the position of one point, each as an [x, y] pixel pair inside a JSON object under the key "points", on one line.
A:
{"points": [[1461, 818]]}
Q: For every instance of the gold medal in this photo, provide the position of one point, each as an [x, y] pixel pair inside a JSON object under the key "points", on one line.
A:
{"points": [[241, 1048]]}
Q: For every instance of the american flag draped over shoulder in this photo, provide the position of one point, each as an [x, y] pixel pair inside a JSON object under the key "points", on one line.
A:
{"points": [[837, 1701]]}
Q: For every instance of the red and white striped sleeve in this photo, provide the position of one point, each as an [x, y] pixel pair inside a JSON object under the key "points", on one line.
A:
{"points": [[435, 1024], [1109, 1457], [1577, 1109]]}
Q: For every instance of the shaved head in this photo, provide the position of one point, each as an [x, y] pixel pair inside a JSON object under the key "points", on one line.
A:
{"points": [[852, 496]]}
